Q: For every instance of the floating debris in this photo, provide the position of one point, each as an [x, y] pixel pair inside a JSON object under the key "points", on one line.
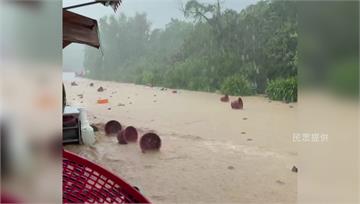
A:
{"points": [[121, 104], [129, 134], [294, 169], [112, 127], [280, 182], [91, 84], [243, 133], [291, 106], [249, 139], [230, 167], [174, 91], [109, 108], [103, 101], [80, 95], [245, 118], [225, 98], [150, 142], [74, 83], [100, 89], [96, 129], [237, 104]]}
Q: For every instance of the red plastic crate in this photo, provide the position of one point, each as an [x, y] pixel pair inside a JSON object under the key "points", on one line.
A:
{"points": [[86, 182]]}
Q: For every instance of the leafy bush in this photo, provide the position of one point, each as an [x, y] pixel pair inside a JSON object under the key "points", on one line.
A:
{"points": [[282, 90], [237, 85]]}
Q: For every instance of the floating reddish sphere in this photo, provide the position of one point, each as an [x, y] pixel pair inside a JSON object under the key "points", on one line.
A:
{"points": [[112, 127], [150, 142], [237, 104], [121, 138], [130, 134], [225, 98]]}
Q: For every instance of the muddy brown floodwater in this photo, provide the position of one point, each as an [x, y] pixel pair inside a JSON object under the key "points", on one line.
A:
{"points": [[209, 153]]}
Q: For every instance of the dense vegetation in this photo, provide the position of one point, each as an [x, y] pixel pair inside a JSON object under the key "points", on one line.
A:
{"points": [[282, 90], [236, 85], [238, 53]]}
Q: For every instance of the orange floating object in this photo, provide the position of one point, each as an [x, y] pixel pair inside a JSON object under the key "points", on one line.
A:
{"points": [[103, 101]]}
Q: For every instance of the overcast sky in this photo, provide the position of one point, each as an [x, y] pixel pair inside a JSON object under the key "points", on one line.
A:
{"points": [[159, 13]]}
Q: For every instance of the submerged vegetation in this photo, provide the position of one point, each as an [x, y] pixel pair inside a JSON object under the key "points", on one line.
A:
{"points": [[237, 85], [239, 53], [282, 90]]}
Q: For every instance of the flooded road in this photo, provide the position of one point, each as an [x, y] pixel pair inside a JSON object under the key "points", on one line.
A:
{"points": [[209, 153]]}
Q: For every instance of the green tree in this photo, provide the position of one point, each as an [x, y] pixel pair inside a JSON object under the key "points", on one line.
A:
{"points": [[257, 45]]}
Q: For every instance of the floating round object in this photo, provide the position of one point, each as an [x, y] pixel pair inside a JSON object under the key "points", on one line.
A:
{"points": [[121, 138], [130, 134], [237, 104], [91, 84], [150, 142], [112, 127], [225, 98]]}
